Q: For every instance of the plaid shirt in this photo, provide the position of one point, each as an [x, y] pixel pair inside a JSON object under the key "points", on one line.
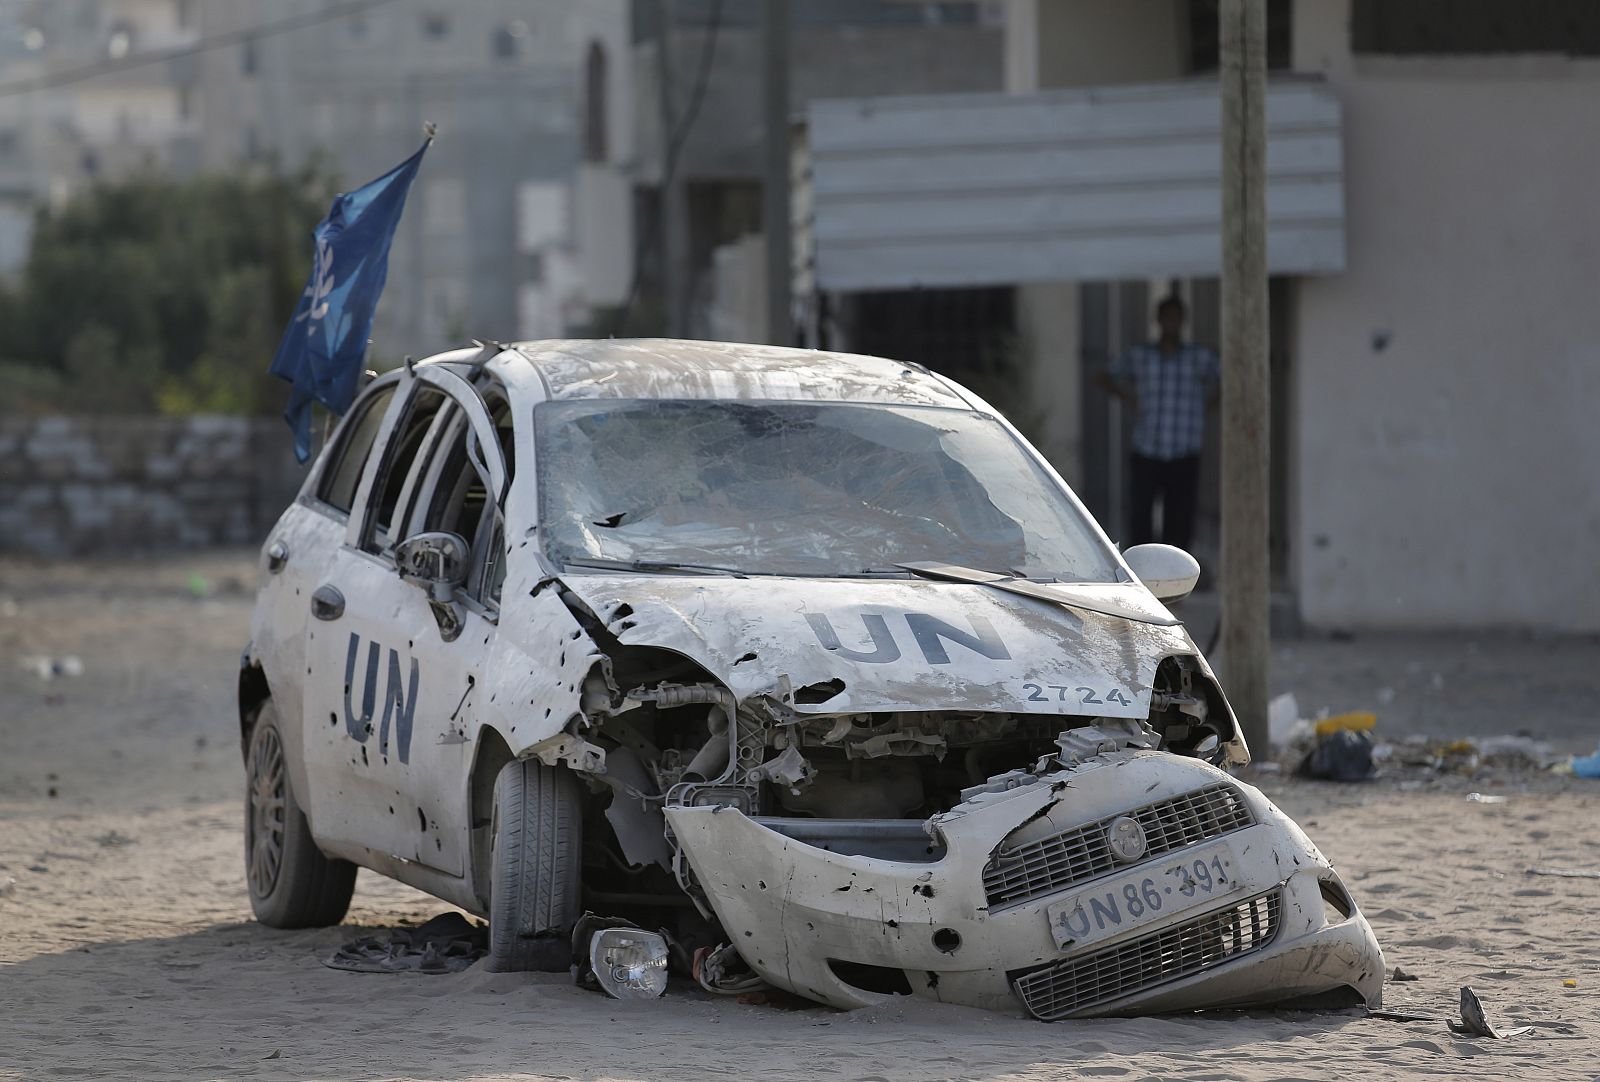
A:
{"points": [[1171, 389]]}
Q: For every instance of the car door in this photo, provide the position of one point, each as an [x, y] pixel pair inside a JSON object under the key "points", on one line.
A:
{"points": [[389, 689]]}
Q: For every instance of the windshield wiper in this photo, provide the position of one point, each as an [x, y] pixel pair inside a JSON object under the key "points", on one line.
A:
{"points": [[651, 565], [1057, 593]]}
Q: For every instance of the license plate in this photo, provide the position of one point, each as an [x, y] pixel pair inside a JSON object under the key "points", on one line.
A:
{"points": [[1150, 892]]}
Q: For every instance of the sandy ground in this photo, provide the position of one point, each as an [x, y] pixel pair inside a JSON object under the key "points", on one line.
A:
{"points": [[127, 949]]}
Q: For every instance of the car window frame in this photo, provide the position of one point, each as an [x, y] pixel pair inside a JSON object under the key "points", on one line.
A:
{"points": [[455, 382], [311, 491]]}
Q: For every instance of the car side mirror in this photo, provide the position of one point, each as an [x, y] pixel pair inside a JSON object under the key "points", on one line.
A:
{"points": [[438, 559], [1167, 571]]}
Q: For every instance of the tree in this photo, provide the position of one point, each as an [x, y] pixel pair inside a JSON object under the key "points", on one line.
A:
{"points": [[151, 293]]}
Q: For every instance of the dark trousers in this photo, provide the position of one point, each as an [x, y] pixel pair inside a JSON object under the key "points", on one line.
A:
{"points": [[1174, 481]]}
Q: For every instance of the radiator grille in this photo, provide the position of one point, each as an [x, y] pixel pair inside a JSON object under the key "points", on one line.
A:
{"points": [[1140, 964], [1052, 864]]}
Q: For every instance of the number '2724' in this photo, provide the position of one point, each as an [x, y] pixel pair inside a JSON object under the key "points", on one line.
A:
{"points": [[1036, 694]]}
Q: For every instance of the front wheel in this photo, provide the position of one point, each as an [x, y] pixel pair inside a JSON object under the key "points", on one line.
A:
{"points": [[292, 885], [535, 872]]}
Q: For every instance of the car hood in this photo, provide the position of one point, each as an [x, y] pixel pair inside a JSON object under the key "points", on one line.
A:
{"points": [[896, 644]]}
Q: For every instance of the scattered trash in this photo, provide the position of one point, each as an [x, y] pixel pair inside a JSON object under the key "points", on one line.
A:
{"points": [[276, 1053], [1342, 755], [1484, 798], [51, 668], [448, 943], [1282, 713], [198, 586], [1356, 722], [1566, 873], [1402, 1016], [1587, 766], [1569, 983], [1401, 975], [1475, 1024]]}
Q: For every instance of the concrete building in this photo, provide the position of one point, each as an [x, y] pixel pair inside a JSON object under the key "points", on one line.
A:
{"points": [[1433, 365], [497, 239], [56, 139], [714, 83]]}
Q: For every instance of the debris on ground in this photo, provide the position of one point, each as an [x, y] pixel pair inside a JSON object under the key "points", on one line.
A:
{"points": [[1341, 755], [53, 668], [1484, 798], [1474, 1023], [1586, 766], [1569, 983], [1402, 975], [447, 943]]}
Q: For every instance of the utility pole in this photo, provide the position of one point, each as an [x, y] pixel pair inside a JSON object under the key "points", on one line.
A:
{"points": [[775, 225], [674, 210], [1246, 390]]}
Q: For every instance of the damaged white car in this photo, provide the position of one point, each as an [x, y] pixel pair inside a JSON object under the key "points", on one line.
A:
{"points": [[807, 659]]}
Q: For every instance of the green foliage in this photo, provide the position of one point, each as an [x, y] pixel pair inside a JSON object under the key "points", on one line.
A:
{"points": [[152, 293]]}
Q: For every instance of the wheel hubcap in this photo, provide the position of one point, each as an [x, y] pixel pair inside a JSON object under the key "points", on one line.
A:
{"points": [[265, 821]]}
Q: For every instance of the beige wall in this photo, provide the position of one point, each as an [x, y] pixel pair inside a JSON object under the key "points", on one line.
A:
{"points": [[1448, 455], [1064, 43]]}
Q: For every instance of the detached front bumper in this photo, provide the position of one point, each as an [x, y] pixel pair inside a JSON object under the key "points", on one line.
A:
{"points": [[849, 930]]}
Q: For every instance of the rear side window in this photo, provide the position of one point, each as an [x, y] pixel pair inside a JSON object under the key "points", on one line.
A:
{"points": [[399, 457], [337, 486]]}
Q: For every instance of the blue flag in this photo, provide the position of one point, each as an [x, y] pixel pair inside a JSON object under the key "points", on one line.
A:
{"points": [[322, 350]]}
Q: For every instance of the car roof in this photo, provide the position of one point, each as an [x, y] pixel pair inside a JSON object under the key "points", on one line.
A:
{"points": [[675, 368]]}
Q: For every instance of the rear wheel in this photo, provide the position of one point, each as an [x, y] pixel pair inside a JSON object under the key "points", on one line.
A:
{"points": [[534, 885], [292, 885]]}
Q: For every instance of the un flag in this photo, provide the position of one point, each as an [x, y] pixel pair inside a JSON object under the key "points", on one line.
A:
{"points": [[323, 347]]}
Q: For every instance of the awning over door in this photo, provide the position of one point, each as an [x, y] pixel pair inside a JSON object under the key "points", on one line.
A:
{"points": [[1094, 184]]}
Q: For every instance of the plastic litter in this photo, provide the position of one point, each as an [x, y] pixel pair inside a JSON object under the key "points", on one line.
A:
{"points": [[1587, 766], [1342, 755], [1569, 983], [1355, 722], [1484, 798], [53, 668], [1474, 1023], [1282, 713]]}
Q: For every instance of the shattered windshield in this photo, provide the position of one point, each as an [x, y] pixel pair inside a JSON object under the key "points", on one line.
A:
{"points": [[801, 488]]}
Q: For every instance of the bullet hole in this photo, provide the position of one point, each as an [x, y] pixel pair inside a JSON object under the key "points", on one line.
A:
{"points": [[391, 809], [625, 625], [933, 980], [745, 658], [547, 711], [438, 844], [892, 923], [563, 660], [333, 719], [611, 522], [574, 635], [923, 889], [622, 610], [53, 792], [364, 757], [846, 887], [422, 819], [762, 883], [749, 935], [947, 940]]}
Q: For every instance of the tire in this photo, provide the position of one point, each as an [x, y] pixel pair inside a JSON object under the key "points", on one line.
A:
{"points": [[536, 868], [291, 884]]}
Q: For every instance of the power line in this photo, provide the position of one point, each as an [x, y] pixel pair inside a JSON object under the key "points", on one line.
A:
{"points": [[158, 56]]}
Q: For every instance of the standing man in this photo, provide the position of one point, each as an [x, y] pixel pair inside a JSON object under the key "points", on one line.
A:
{"points": [[1167, 385]]}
